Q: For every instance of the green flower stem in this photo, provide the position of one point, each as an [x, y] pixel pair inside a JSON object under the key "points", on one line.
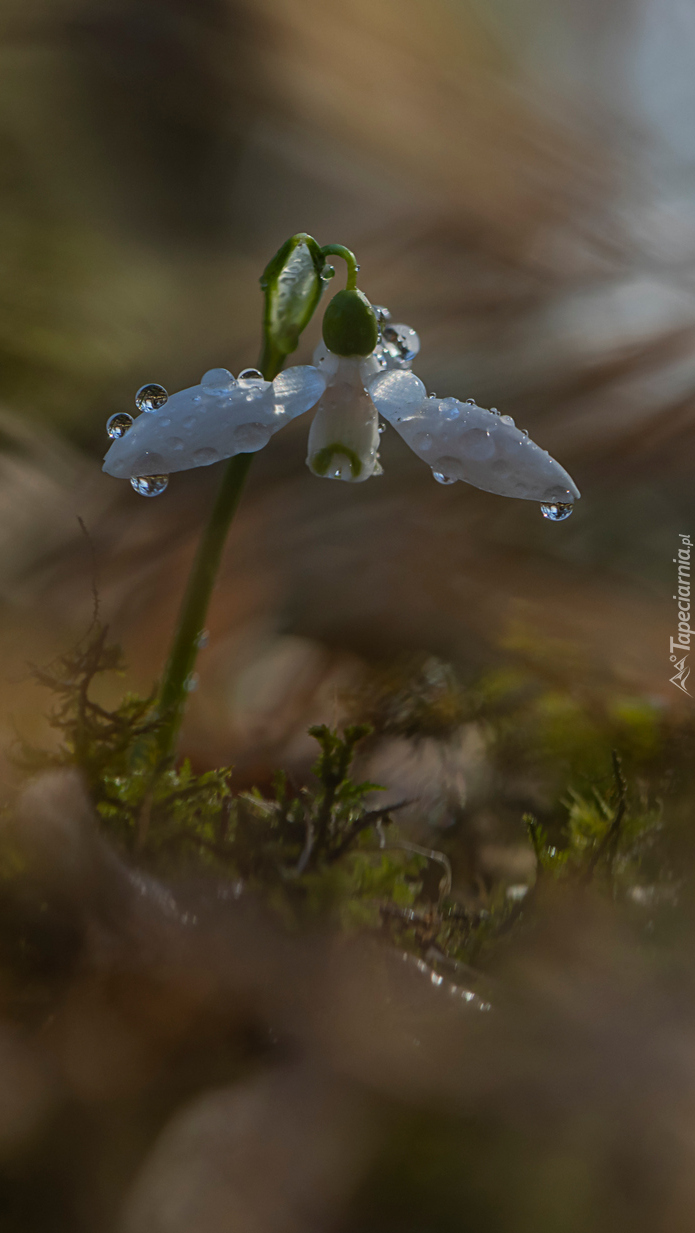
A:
{"points": [[184, 650], [338, 250]]}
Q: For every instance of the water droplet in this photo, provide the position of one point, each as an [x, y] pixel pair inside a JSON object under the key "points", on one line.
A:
{"points": [[471, 402], [189, 421], [150, 397], [382, 429], [524, 432], [205, 455], [378, 469], [217, 379], [192, 682], [382, 314], [251, 437], [202, 640], [400, 342], [357, 267], [118, 425], [506, 419], [557, 512], [174, 443], [149, 485], [443, 479], [431, 395], [250, 374], [328, 272], [478, 444]]}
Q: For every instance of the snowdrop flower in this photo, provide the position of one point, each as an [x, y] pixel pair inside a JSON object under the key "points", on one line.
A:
{"points": [[360, 371]]}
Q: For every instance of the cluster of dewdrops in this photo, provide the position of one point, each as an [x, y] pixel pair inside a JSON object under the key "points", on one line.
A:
{"points": [[397, 347]]}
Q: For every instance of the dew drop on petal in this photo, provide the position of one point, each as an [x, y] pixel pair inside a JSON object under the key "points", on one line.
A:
{"points": [[471, 402], [557, 512], [118, 425], [149, 485], [217, 379], [443, 479], [251, 437], [205, 455], [507, 419], [449, 407], [250, 374], [150, 397], [478, 444], [382, 314]]}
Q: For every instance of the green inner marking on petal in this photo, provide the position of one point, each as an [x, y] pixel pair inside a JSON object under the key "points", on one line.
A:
{"points": [[322, 459]]}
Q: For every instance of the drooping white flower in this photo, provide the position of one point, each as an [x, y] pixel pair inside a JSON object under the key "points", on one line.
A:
{"points": [[223, 416]]}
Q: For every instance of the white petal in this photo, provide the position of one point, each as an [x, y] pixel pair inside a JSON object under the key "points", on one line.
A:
{"points": [[344, 434], [216, 419], [463, 441]]}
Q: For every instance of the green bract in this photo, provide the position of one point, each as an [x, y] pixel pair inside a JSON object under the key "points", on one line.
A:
{"points": [[292, 284], [350, 325]]}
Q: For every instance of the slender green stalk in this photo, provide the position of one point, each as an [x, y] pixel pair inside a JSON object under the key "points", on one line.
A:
{"points": [[201, 581], [339, 250]]}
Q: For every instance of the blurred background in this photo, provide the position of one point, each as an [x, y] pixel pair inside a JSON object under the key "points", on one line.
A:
{"points": [[518, 183]]}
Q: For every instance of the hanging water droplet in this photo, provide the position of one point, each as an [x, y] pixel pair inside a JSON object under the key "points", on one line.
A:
{"points": [[149, 485], [443, 479], [203, 639], [328, 272], [382, 429], [471, 402], [150, 397], [192, 682], [118, 425], [382, 314], [250, 374], [378, 469], [357, 267], [524, 432], [557, 512]]}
